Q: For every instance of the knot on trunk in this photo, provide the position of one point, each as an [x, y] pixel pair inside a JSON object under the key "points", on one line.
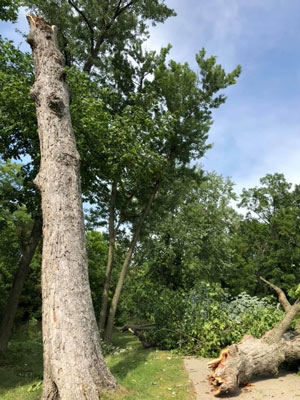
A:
{"points": [[34, 94], [56, 105]]}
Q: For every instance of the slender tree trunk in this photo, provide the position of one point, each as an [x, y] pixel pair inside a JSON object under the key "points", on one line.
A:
{"points": [[18, 283], [74, 368], [110, 258], [125, 266]]}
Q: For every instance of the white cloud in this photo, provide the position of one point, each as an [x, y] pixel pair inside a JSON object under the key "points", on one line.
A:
{"points": [[258, 130]]}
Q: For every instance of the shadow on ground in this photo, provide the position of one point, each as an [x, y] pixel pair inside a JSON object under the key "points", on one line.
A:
{"points": [[132, 355], [22, 365]]}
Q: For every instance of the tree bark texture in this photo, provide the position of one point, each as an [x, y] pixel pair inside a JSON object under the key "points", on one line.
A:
{"points": [[73, 364], [18, 283], [239, 362], [125, 266]]}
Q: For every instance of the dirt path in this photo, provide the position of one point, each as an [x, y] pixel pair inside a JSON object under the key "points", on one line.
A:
{"points": [[285, 386]]}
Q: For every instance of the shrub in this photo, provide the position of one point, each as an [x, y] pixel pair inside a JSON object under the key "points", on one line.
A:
{"points": [[206, 319]]}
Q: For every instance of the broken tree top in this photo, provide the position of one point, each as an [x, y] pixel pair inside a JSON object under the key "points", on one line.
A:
{"points": [[40, 22]]}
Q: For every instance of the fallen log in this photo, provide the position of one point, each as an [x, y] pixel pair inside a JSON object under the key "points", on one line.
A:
{"points": [[140, 331], [136, 328], [238, 363]]}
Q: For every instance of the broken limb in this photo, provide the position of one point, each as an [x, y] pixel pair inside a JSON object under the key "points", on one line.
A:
{"points": [[239, 362]]}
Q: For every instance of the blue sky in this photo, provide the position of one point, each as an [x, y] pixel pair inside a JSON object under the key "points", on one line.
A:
{"points": [[257, 131]]}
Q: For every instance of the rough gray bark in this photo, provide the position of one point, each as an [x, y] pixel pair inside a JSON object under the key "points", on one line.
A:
{"points": [[239, 362], [125, 266], [73, 364], [18, 283]]}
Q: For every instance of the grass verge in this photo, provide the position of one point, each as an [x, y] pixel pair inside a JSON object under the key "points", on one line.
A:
{"points": [[142, 374]]}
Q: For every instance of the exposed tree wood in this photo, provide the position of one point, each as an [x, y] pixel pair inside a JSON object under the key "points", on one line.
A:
{"points": [[239, 362], [74, 368]]}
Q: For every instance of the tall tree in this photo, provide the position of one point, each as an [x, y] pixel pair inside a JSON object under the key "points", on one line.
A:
{"points": [[191, 241], [187, 101], [73, 363], [154, 140], [267, 242], [17, 73]]}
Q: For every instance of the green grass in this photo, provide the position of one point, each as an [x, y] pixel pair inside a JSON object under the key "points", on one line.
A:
{"points": [[147, 374], [142, 374], [21, 371]]}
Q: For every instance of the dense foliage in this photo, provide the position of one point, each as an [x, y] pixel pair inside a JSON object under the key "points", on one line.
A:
{"points": [[9, 10], [191, 239], [267, 241], [15, 226], [165, 285], [205, 319], [140, 122]]}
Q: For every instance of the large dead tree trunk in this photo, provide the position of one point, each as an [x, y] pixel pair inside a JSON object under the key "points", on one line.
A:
{"points": [[18, 283], [73, 364], [239, 362]]}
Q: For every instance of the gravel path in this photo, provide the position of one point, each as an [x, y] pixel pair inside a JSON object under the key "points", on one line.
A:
{"points": [[285, 386]]}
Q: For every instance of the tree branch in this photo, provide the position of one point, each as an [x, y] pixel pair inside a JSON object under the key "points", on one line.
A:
{"points": [[281, 295], [275, 334], [81, 13], [119, 10]]}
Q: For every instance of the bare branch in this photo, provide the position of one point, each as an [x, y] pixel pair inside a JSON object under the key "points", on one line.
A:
{"points": [[275, 334], [281, 295]]}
